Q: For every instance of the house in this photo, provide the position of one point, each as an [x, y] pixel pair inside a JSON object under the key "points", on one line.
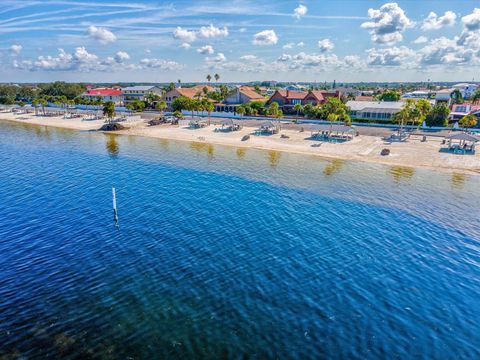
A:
{"points": [[461, 110], [187, 92], [241, 95], [418, 94], [467, 90], [132, 93], [287, 99], [105, 94], [444, 95], [374, 110]]}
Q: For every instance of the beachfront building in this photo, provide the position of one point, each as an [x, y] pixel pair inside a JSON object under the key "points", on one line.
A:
{"points": [[377, 111], [287, 99], [105, 94], [191, 93], [241, 95], [467, 90], [132, 93], [444, 96]]}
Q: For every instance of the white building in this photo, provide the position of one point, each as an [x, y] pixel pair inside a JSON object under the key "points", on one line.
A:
{"points": [[467, 90], [132, 93], [374, 110], [419, 94]]}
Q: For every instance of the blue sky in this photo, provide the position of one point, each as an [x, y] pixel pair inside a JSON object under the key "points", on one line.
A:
{"points": [[158, 41]]}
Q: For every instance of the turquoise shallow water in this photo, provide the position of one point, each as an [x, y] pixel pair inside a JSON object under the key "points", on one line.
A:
{"points": [[229, 253]]}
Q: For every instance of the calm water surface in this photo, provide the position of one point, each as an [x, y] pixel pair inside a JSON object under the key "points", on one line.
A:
{"points": [[229, 253]]}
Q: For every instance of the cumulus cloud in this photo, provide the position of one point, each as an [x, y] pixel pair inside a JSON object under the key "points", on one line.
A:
{"points": [[301, 44], [220, 57], [160, 64], [299, 11], [387, 23], [434, 22], [16, 49], [206, 50], [326, 45], [445, 51], [288, 46], [248, 57], [265, 37], [420, 40], [185, 46], [471, 22], [80, 60], [101, 35], [205, 32], [184, 35], [353, 61], [394, 56], [121, 57]]}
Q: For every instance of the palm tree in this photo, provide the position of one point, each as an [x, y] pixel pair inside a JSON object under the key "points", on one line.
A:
{"points": [[217, 77], [109, 110], [209, 78], [208, 107], [241, 110], [476, 97], [161, 106], [298, 107], [35, 103], [457, 96], [43, 102]]}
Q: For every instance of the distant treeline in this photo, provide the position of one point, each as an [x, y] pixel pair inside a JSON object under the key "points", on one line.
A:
{"points": [[11, 94]]}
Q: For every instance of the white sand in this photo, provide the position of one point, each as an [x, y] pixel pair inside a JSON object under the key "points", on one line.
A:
{"points": [[413, 153]]}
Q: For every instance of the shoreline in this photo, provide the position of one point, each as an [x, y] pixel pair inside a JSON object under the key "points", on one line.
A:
{"points": [[364, 148]]}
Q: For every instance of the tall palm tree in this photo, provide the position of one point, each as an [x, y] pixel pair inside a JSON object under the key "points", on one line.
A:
{"points": [[109, 110], [217, 77], [476, 97], [298, 107], [209, 78], [161, 105], [457, 96]]}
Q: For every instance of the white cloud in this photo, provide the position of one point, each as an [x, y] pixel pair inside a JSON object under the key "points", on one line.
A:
{"points": [[288, 46], [387, 23], [207, 32], [185, 46], [248, 57], [434, 22], [207, 49], [101, 35], [121, 57], [16, 49], [80, 60], [184, 35], [242, 30], [265, 37], [301, 44], [353, 61], [471, 22], [220, 57], [446, 51], [300, 11], [160, 64], [394, 56], [420, 40], [285, 57], [326, 45]]}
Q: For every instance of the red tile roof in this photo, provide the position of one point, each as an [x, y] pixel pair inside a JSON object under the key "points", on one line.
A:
{"points": [[251, 93], [103, 92]]}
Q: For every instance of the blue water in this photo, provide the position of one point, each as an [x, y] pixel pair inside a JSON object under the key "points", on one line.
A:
{"points": [[229, 253]]}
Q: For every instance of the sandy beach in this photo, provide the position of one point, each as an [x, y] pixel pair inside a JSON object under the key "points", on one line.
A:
{"points": [[413, 153]]}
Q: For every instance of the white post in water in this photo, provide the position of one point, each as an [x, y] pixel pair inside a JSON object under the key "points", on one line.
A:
{"points": [[115, 215]]}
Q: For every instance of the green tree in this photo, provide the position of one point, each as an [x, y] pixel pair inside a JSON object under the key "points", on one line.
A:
{"points": [[207, 106], [438, 115], [109, 110], [177, 115], [456, 96], [217, 77], [298, 108], [476, 97], [181, 103], [422, 108], [468, 121], [241, 110], [209, 77], [161, 106], [136, 105], [389, 95]]}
